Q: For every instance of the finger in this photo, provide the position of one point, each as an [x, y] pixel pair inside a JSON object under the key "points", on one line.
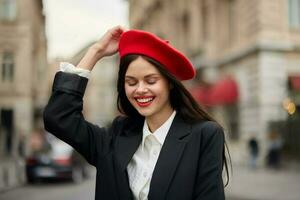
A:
{"points": [[116, 33], [118, 29]]}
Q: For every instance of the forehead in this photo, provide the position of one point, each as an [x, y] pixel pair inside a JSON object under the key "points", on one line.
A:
{"points": [[141, 67]]}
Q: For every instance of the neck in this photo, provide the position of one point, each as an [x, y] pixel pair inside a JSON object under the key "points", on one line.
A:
{"points": [[154, 122]]}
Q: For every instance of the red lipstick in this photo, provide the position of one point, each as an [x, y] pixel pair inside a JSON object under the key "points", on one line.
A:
{"points": [[144, 101]]}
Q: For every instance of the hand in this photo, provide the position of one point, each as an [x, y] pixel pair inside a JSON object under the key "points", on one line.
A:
{"points": [[106, 46]]}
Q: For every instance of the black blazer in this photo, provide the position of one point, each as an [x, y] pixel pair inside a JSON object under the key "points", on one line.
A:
{"points": [[189, 165]]}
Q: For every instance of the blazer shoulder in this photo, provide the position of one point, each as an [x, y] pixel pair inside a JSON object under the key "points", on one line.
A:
{"points": [[210, 135], [208, 129], [207, 126]]}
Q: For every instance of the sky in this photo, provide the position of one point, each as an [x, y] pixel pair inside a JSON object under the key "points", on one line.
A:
{"points": [[72, 24]]}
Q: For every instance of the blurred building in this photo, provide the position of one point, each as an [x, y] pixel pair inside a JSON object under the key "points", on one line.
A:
{"points": [[247, 53], [100, 105], [23, 91]]}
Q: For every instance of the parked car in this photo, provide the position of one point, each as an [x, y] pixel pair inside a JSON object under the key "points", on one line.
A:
{"points": [[51, 158]]}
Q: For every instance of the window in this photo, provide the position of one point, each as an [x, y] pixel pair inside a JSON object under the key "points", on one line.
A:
{"points": [[232, 21], [6, 126], [8, 10], [294, 13], [7, 73]]}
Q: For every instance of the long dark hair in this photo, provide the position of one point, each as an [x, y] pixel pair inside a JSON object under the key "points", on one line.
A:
{"points": [[180, 98]]}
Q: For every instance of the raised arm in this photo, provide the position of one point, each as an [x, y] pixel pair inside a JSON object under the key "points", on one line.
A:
{"points": [[63, 113]]}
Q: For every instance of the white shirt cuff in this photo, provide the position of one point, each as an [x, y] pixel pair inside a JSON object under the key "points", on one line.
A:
{"points": [[70, 68]]}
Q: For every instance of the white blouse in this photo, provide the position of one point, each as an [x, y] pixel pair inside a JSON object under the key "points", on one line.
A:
{"points": [[141, 166]]}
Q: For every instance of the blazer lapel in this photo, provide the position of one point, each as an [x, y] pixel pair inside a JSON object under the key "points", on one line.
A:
{"points": [[169, 158], [126, 145]]}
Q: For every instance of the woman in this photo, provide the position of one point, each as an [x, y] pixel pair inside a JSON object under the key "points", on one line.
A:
{"points": [[164, 146]]}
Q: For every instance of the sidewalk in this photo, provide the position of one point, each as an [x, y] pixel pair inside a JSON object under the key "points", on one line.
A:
{"points": [[264, 184]]}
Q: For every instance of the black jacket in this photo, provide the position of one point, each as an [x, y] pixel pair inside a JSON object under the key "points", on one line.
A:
{"points": [[189, 165]]}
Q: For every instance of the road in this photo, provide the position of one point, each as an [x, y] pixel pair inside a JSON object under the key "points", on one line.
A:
{"points": [[246, 184], [264, 184], [53, 191]]}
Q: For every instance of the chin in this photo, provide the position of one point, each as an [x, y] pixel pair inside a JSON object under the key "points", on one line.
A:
{"points": [[145, 113]]}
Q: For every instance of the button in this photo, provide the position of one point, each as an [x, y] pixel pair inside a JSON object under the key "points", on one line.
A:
{"points": [[155, 153]]}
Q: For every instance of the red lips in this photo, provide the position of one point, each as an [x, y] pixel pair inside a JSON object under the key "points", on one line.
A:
{"points": [[144, 101]]}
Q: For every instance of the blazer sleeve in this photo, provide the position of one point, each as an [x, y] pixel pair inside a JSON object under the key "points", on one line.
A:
{"points": [[63, 118], [209, 182]]}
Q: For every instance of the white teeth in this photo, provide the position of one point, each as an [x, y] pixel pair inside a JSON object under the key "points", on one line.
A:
{"points": [[144, 100]]}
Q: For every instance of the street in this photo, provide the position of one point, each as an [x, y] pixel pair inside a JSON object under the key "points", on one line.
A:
{"points": [[264, 184], [53, 191], [246, 184]]}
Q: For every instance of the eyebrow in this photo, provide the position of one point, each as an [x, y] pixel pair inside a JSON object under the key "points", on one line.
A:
{"points": [[147, 76]]}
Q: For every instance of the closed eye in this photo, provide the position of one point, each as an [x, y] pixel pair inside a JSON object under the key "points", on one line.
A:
{"points": [[151, 81], [131, 82]]}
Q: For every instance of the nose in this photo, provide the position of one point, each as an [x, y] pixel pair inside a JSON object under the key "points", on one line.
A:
{"points": [[141, 88]]}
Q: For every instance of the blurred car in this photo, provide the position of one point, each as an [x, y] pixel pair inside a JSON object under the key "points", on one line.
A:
{"points": [[51, 158]]}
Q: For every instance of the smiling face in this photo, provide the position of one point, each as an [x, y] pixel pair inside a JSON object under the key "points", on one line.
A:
{"points": [[147, 90]]}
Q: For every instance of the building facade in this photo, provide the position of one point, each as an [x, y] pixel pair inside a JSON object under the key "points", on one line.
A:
{"points": [[255, 43], [23, 90]]}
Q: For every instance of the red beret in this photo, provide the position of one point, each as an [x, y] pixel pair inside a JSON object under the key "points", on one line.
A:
{"points": [[148, 44]]}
